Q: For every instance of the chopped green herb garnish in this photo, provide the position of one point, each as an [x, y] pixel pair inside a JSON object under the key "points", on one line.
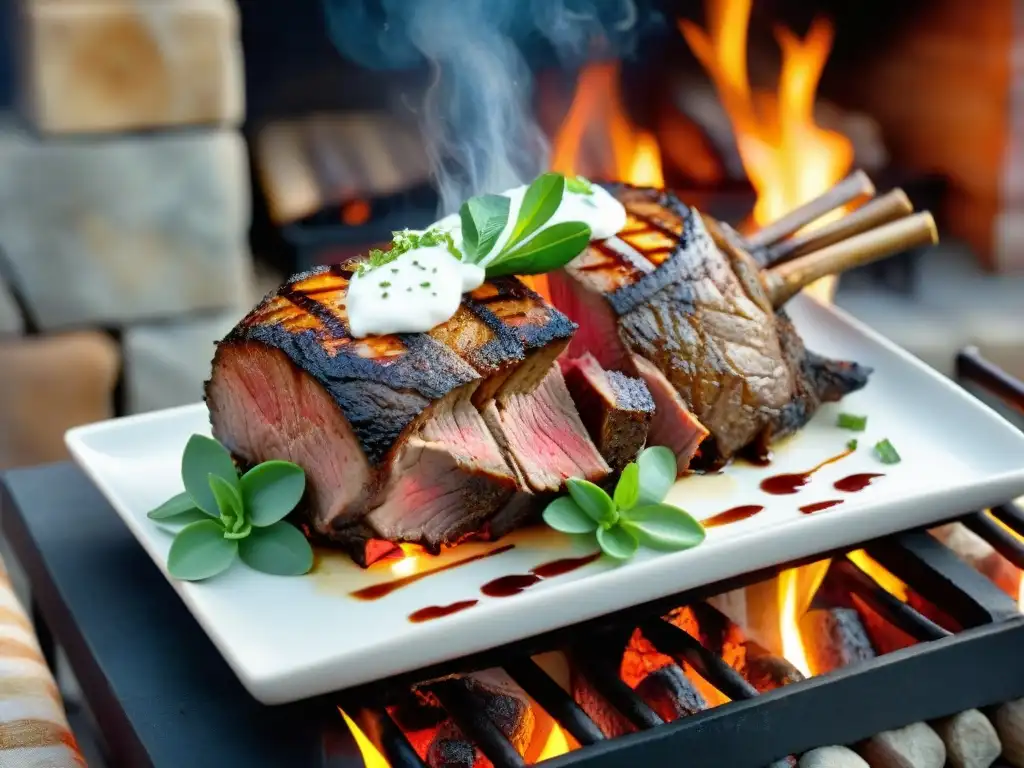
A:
{"points": [[384, 295], [852, 445], [852, 422], [579, 185], [385, 284], [424, 285], [401, 243], [886, 452]]}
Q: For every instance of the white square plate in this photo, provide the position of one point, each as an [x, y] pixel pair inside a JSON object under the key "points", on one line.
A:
{"points": [[290, 638]]}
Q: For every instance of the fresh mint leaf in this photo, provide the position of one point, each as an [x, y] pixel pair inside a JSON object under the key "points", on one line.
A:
{"points": [[565, 515], [547, 251], [271, 490], [662, 526], [203, 457], [617, 542], [627, 490], [200, 551], [592, 500], [173, 507], [483, 219], [279, 549], [657, 473], [540, 202], [579, 185]]}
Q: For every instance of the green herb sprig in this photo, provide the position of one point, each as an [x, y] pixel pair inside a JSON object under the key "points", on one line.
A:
{"points": [[527, 251], [634, 514], [227, 516]]}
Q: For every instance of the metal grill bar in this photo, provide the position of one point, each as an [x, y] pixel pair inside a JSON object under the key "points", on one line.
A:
{"points": [[465, 710], [1011, 515], [555, 701], [889, 607], [387, 737], [675, 642], [603, 675], [1002, 541]]}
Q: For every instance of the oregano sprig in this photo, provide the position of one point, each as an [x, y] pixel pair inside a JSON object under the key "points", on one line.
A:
{"points": [[226, 516], [635, 514]]}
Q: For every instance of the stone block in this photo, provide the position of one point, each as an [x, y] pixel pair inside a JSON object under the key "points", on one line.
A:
{"points": [[110, 231], [165, 365], [50, 384], [117, 65]]}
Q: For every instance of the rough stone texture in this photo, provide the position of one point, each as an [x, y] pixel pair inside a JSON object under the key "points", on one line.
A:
{"points": [[971, 740], [165, 365], [832, 757], [116, 65], [1009, 722], [109, 231], [50, 384], [915, 746], [11, 321]]}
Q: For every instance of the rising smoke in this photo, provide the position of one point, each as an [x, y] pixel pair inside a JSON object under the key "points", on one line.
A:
{"points": [[476, 117]]}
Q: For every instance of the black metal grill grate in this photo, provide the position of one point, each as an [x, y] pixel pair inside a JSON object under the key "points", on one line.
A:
{"points": [[938, 676]]}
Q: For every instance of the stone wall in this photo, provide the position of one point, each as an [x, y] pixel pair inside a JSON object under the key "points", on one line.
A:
{"points": [[124, 213]]}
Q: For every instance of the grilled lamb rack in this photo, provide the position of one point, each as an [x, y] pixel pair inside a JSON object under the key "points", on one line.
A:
{"points": [[697, 318], [426, 438]]}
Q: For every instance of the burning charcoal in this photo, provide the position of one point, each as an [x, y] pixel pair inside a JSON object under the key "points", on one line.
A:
{"points": [[604, 715], [916, 746], [832, 757], [970, 738], [1009, 722], [671, 694], [504, 703], [884, 636], [834, 638]]}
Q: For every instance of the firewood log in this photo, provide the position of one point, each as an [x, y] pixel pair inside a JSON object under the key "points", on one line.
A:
{"points": [[832, 757], [1009, 722], [970, 738], [915, 746]]}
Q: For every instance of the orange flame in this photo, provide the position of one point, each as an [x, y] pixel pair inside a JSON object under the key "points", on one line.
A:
{"points": [[788, 158], [632, 154], [372, 758]]}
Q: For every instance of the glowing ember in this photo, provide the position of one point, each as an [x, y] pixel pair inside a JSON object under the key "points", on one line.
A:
{"points": [[371, 757], [556, 744], [788, 158]]}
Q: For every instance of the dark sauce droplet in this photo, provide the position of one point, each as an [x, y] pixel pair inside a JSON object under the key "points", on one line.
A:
{"points": [[858, 482], [506, 586], [784, 485], [438, 611], [563, 566], [377, 591], [733, 515], [820, 505]]}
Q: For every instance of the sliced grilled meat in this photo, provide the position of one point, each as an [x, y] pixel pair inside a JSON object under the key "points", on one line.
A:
{"points": [[385, 427], [541, 433], [616, 409], [701, 317]]}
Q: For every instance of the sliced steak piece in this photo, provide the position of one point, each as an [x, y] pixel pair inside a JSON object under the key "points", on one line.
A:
{"points": [[289, 382], [499, 699], [615, 408], [445, 482], [541, 433], [673, 426]]}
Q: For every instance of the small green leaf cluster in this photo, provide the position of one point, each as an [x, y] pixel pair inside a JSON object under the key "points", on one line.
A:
{"points": [[404, 241], [227, 516], [527, 250], [635, 514]]}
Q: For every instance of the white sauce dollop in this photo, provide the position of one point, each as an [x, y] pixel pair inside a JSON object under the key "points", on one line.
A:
{"points": [[393, 299], [412, 294]]}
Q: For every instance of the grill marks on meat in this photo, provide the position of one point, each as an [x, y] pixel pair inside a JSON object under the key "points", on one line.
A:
{"points": [[699, 316], [541, 433], [389, 429], [616, 409]]}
